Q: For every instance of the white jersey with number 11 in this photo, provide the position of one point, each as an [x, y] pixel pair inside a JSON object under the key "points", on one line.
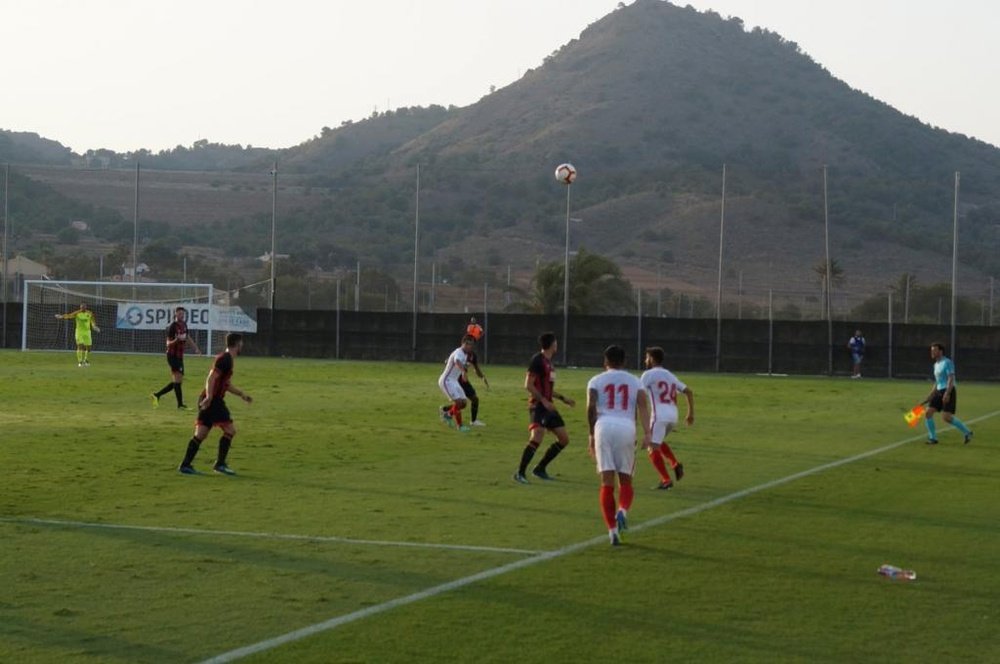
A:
{"points": [[617, 394]]}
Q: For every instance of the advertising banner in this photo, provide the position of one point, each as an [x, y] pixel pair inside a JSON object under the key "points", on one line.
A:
{"points": [[157, 316]]}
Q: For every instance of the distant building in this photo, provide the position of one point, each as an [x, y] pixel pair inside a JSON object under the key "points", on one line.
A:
{"points": [[19, 270], [140, 270], [25, 268]]}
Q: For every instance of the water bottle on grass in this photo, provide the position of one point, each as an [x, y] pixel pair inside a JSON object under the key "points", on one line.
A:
{"points": [[898, 573]]}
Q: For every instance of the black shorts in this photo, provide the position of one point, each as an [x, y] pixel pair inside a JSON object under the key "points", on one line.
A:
{"points": [[467, 387], [176, 363], [938, 404], [215, 415], [544, 419]]}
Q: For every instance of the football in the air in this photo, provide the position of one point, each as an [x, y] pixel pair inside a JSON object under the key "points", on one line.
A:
{"points": [[566, 173]]}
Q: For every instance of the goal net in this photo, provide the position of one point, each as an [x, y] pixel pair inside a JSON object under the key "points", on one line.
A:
{"points": [[132, 317]]}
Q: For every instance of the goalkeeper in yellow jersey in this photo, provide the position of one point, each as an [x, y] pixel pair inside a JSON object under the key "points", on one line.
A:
{"points": [[84, 318]]}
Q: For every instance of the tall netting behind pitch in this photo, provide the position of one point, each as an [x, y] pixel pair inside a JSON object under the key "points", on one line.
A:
{"points": [[132, 317]]}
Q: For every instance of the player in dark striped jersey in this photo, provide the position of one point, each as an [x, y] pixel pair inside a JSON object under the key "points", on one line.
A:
{"points": [[177, 340], [539, 383], [212, 410]]}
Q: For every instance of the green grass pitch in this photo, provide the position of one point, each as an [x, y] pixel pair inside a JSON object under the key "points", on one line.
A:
{"points": [[354, 502]]}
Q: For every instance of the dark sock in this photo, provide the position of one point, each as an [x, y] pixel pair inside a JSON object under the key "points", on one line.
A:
{"points": [[224, 443], [550, 454], [475, 409], [167, 388], [529, 452], [192, 450], [179, 393]]}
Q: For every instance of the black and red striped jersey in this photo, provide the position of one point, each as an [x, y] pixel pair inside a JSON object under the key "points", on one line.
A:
{"points": [[176, 338], [543, 376]]}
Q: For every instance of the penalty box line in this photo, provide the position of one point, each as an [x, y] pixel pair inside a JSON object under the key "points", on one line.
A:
{"points": [[273, 536], [333, 623]]}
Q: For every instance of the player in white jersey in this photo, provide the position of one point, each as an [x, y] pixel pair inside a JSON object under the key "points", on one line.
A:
{"points": [[454, 369], [663, 388], [613, 398]]}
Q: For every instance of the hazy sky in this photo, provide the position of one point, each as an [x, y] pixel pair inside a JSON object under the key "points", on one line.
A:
{"points": [[129, 74]]}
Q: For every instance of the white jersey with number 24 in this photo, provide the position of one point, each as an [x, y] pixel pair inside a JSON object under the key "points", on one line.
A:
{"points": [[663, 388]]}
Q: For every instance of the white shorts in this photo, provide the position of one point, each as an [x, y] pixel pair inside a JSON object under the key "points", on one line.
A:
{"points": [[660, 429], [614, 445], [451, 389]]}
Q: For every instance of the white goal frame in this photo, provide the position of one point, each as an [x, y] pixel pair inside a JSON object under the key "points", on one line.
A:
{"points": [[144, 338]]}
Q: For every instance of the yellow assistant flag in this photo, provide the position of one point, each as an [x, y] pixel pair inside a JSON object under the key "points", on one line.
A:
{"points": [[913, 415]]}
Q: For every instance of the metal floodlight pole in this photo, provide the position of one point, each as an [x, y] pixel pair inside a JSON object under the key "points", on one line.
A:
{"points": [[954, 267], [828, 293], [770, 331], [6, 224], [135, 227], [416, 254], [274, 225], [718, 295], [889, 351], [906, 301], [991, 303], [565, 334], [638, 328]]}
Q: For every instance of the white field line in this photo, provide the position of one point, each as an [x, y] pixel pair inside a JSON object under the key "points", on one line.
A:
{"points": [[273, 536], [333, 623]]}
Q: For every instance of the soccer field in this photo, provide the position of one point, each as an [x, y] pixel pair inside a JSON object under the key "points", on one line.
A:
{"points": [[360, 529]]}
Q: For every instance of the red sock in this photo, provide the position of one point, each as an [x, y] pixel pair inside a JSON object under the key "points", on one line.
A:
{"points": [[457, 414], [661, 467], [625, 496], [608, 505], [669, 453]]}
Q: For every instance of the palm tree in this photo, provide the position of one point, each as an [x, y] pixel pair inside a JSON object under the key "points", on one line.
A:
{"points": [[596, 287], [837, 278]]}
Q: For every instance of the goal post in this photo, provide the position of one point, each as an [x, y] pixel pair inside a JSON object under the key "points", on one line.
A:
{"points": [[132, 317]]}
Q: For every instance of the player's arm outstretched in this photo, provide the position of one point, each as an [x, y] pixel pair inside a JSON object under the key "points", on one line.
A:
{"points": [[70, 316], [194, 344]]}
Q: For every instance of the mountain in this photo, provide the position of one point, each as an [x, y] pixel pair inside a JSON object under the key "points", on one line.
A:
{"points": [[649, 103], [653, 99]]}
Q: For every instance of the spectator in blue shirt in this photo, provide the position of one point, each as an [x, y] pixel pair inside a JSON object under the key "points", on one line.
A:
{"points": [[857, 347]]}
